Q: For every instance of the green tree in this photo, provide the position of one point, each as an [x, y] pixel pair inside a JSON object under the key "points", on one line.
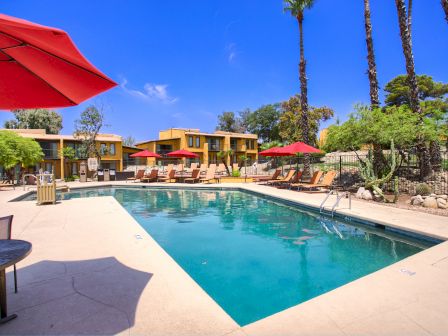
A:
{"points": [[129, 141], [15, 149], [49, 120], [433, 103], [87, 129], [297, 9], [268, 145], [68, 154], [229, 122], [291, 116], [264, 122]]}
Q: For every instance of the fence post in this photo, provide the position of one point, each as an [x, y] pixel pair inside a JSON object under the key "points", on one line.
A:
{"points": [[340, 169]]}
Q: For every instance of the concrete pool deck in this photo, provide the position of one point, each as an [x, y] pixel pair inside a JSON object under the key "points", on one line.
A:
{"points": [[94, 270]]}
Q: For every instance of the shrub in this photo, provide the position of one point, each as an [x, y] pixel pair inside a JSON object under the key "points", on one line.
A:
{"points": [[236, 173], [422, 189]]}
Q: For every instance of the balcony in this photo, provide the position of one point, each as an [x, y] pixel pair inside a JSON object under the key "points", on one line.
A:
{"points": [[50, 153], [214, 148]]}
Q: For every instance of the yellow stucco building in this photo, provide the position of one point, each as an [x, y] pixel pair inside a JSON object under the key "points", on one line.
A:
{"points": [[206, 145], [109, 145]]}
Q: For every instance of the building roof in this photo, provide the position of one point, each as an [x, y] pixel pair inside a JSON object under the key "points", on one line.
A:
{"points": [[154, 140], [41, 134]]}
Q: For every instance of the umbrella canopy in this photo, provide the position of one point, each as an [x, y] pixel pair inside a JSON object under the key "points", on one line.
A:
{"points": [[145, 153], [182, 153], [298, 147], [274, 151], [41, 67]]}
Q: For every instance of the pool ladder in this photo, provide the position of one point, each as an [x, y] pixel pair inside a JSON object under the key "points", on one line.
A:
{"points": [[339, 196]]}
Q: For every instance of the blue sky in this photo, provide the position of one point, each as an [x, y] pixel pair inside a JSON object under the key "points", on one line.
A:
{"points": [[181, 63]]}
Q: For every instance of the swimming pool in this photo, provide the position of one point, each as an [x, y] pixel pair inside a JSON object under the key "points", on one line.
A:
{"points": [[253, 255]]}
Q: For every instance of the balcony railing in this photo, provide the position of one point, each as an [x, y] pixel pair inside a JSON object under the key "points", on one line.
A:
{"points": [[214, 148], [50, 153]]}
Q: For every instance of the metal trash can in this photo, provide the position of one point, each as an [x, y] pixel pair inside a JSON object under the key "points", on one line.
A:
{"points": [[106, 173], [112, 174]]}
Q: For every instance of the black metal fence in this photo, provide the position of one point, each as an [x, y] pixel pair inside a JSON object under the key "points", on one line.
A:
{"points": [[349, 177]]}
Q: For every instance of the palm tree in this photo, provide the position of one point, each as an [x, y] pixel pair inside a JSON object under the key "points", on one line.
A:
{"points": [[297, 8], [445, 8], [406, 41], [373, 80]]}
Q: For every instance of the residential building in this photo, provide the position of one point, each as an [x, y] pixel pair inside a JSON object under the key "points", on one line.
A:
{"points": [[206, 145], [109, 145]]}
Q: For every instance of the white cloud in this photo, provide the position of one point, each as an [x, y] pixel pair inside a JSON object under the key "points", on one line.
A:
{"points": [[232, 52], [150, 92]]}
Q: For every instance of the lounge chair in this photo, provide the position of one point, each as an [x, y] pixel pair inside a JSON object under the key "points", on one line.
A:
{"points": [[194, 176], [268, 178], [286, 179], [210, 176], [193, 166], [326, 183], [221, 169], [138, 176], [203, 168], [314, 180], [169, 177], [152, 177], [4, 184]]}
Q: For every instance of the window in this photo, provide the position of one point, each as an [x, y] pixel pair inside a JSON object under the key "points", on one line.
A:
{"points": [[198, 142], [214, 144], [250, 144], [112, 149], [164, 149], [103, 149], [233, 144], [190, 141]]}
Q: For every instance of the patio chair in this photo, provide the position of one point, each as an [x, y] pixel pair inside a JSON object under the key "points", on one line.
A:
{"points": [[138, 176], [152, 177], [203, 168], [210, 176], [268, 178], [193, 166], [194, 176], [314, 180], [326, 183], [5, 184], [5, 233], [169, 177], [221, 169], [287, 178]]}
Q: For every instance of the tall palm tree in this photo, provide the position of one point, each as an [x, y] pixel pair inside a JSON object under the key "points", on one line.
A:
{"points": [[297, 9], [406, 41], [373, 80], [445, 8]]}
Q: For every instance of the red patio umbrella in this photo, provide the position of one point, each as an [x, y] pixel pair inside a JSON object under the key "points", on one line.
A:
{"points": [[274, 151], [41, 67], [298, 147], [182, 153], [145, 153]]}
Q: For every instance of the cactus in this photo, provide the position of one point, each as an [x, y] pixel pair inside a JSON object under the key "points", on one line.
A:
{"points": [[423, 189], [372, 181]]}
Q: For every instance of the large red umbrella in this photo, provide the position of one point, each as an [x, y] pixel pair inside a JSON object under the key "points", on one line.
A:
{"points": [[274, 151], [41, 67], [145, 153], [298, 147], [182, 153]]}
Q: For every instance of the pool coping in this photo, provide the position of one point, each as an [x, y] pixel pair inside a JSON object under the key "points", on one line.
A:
{"points": [[297, 309]]}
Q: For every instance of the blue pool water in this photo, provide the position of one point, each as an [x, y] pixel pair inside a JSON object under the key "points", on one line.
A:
{"points": [[254, 256]]}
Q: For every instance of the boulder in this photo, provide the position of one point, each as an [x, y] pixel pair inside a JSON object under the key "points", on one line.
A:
{"points": [[417, 200], [360, 192], [441, 203], [430, 202], [367, 195], [444, 197]]}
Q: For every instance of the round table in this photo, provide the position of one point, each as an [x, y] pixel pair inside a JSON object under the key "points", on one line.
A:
{"points": [[11, 252]]}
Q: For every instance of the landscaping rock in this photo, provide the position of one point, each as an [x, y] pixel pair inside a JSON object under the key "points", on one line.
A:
{"points": [[360, 192], [441, 203], [417, 200], [430, 202], [367, 195], [444, 197]]}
